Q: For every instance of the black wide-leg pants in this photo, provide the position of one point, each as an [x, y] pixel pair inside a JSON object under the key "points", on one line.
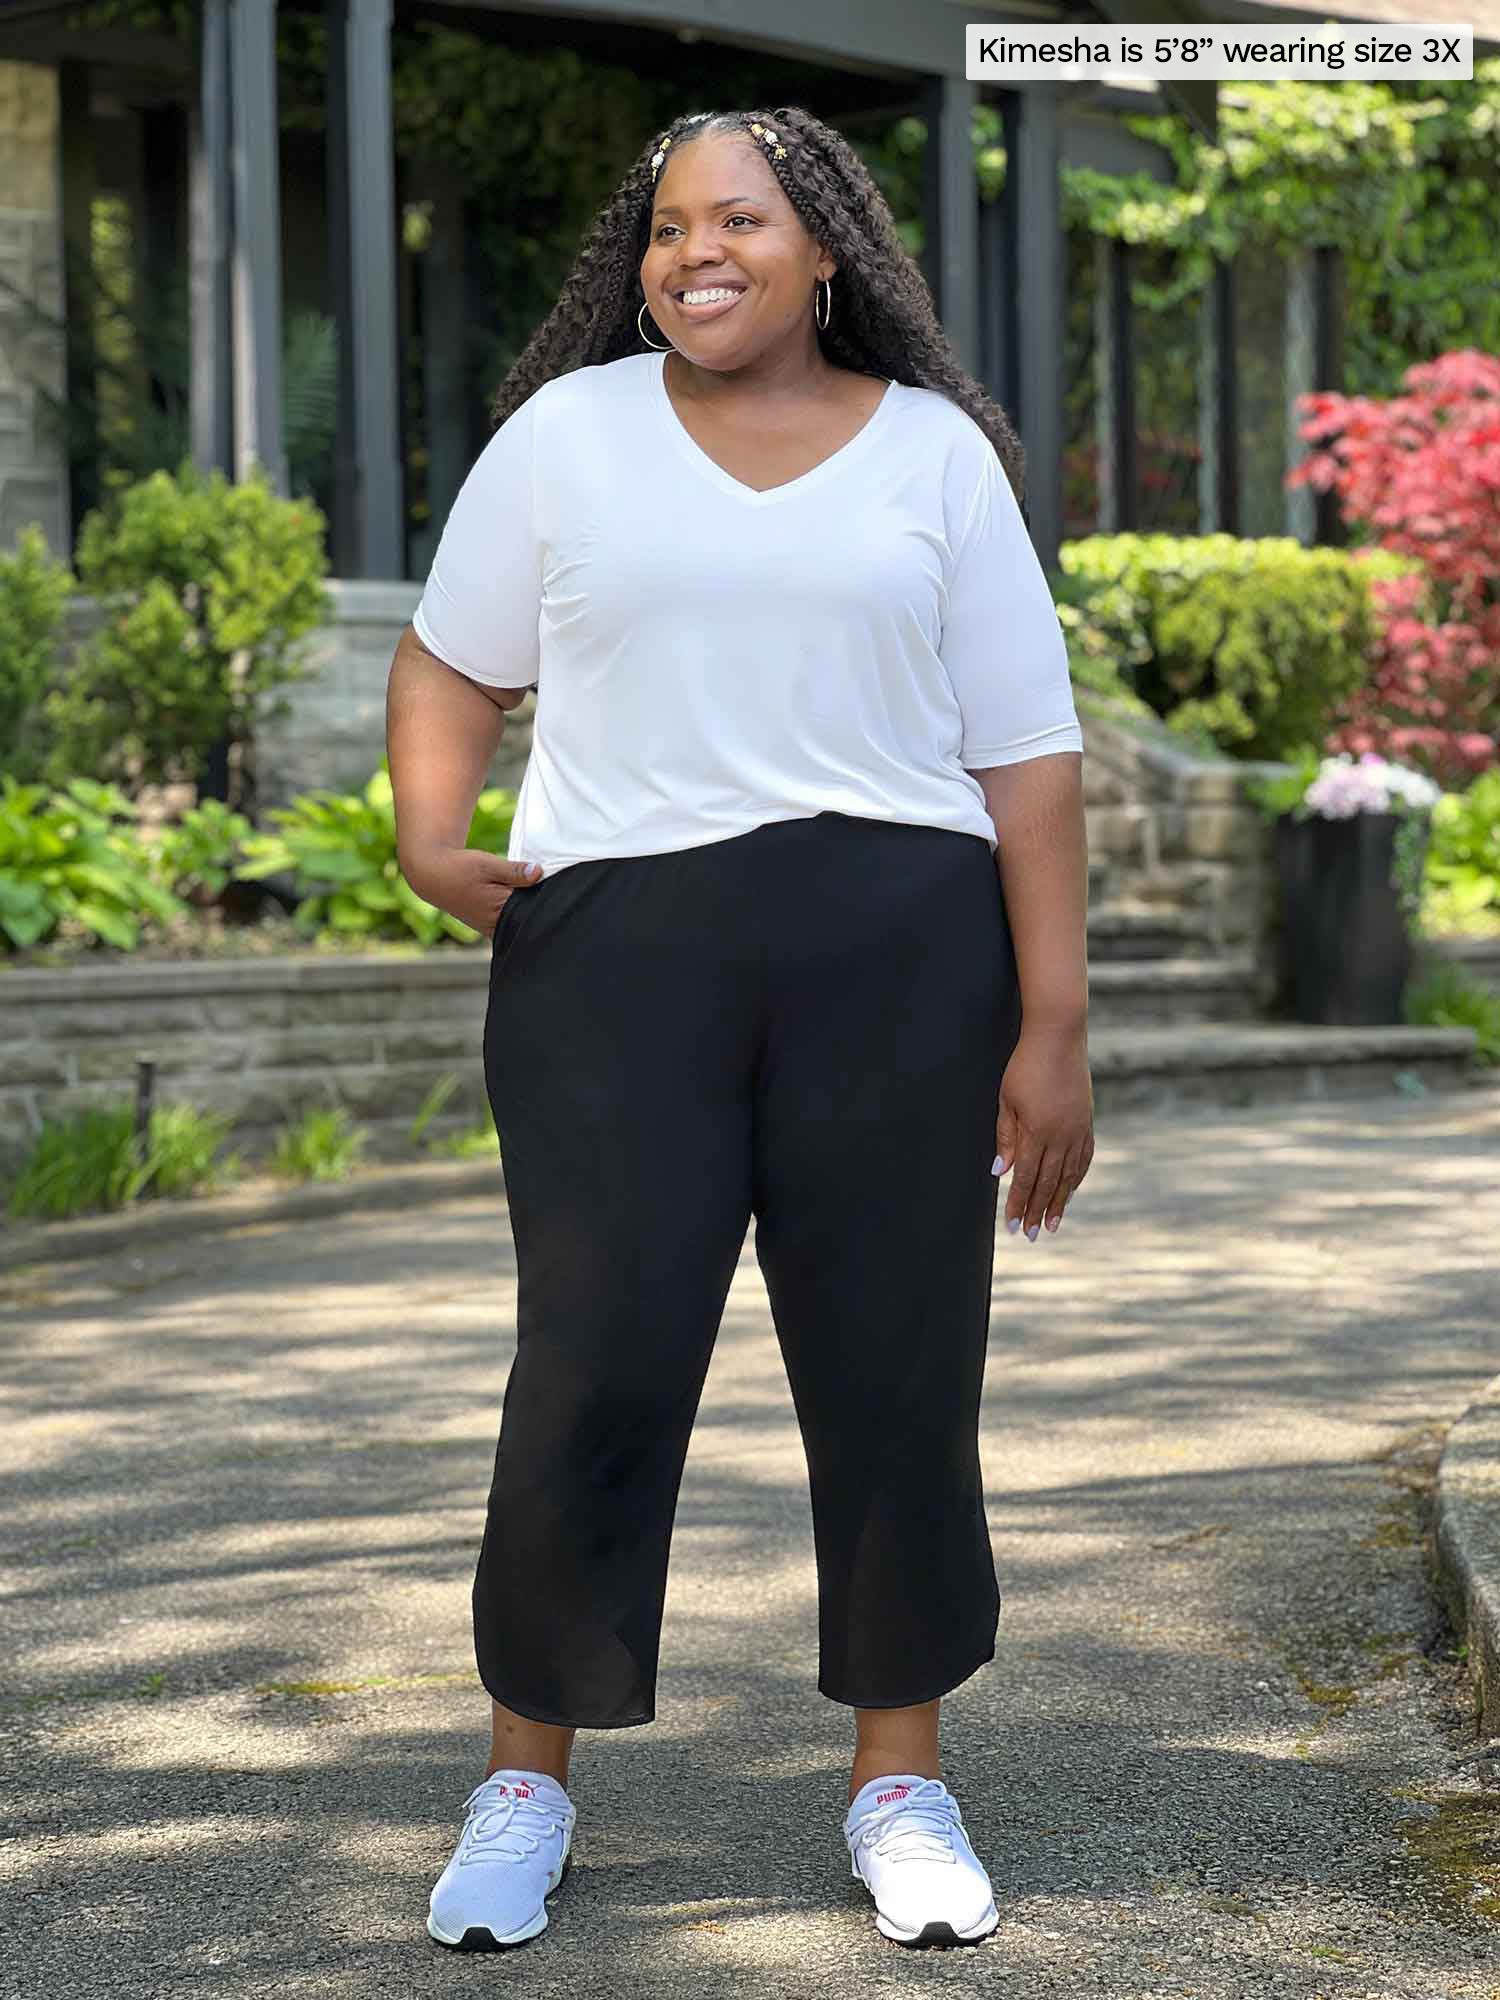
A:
{"points": [[807, 1024]]}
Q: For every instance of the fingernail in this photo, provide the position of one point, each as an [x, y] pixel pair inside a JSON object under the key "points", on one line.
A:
{"points": [[1033, 1232], [1014, 1224], [533, 868], [999, 1167], [1055, 1224]]}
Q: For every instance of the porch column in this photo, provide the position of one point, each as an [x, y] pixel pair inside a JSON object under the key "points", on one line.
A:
{"points": [[369, 510], [255, 264], [951, 213], [1114, 387], [1314, 360], [1218, 408], [1034, 235], [76, 176], [997, 305], [210, 407]]}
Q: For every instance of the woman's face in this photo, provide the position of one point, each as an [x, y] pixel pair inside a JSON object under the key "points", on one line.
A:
{"points": [[721, 224]]}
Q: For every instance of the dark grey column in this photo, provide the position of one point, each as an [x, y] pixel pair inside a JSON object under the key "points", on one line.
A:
{"points": [[997, 305], [1034, 229], [1300, 319], [1218, 409], [951, 201], [211, 413], [160, 251], [255, 262], [1114, 386], [1314, 361], [1329, 320], [76, 173], [369, 510]]}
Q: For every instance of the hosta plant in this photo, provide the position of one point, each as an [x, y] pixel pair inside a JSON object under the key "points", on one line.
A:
{"points": [[340, 849], [74, 854]]}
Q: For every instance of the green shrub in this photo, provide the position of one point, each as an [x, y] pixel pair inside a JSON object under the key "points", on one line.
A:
{"points": [[34, 593], [199, 853], [340, 849], [206, 590], [1250, 646], [67, 855], [322, 1145], [1463, 859], [1446, 997], [90, 1161]]}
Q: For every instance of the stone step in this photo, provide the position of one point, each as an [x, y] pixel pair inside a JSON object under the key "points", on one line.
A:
{"points": [[1158, 992], [1267, 1062], [1127, 930]]}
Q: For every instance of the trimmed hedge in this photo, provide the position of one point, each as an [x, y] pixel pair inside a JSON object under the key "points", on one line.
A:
{"points": [[1250, 647]]}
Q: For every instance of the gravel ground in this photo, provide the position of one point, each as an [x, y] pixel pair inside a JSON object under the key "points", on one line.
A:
{"points": [[1221, 1751]]}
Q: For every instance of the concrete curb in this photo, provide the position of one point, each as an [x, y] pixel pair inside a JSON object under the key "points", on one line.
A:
{"points": [[1467, 1542], [147, 1225]]}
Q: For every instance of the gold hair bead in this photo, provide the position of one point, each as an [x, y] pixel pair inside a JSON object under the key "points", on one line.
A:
{"points": [[770, 140]]}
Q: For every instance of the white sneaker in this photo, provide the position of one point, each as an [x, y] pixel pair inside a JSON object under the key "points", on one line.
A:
{"points": [[907, 1844], [511, 1855]]}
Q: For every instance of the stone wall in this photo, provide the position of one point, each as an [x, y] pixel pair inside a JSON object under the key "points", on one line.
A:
{"points": [[1175, 834], [263, 1039], [33, 463], [334, 735], [1477, 958]]}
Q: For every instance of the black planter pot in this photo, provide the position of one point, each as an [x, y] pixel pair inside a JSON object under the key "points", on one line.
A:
{"points": [[1346, 946]]}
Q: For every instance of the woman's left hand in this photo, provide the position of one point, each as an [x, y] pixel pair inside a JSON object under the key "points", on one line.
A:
{"points": [[1045, 1128]]}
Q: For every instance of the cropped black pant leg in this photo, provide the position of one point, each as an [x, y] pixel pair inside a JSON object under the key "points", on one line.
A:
{"points": [[806, 1024]]}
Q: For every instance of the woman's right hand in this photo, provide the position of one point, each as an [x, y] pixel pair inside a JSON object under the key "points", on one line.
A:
{"points": [[468, 883]]}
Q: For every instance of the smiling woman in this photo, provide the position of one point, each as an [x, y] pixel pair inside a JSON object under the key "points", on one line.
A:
{"points": [[807, 947]]}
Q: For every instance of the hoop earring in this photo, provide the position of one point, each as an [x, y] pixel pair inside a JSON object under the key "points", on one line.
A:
{"points": [[827, 302], [644, 336]]}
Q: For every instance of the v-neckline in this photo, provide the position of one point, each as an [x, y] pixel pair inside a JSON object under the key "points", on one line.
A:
{"points": [[690, 448]]}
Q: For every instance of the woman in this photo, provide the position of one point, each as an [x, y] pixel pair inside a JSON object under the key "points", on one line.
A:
{"points": [[791, 926]]}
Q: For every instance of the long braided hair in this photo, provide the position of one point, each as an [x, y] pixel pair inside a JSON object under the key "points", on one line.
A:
{"points": [[883, 322]]}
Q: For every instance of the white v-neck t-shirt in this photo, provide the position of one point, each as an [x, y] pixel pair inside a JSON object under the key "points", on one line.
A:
{"points": [[709, 657]]}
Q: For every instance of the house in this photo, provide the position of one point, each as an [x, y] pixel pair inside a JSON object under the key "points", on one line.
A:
{"points": [[174, 143]]}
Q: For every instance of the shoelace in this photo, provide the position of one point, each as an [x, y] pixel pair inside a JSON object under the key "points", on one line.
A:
{"points": [[495, 1831], [919, 1827]]}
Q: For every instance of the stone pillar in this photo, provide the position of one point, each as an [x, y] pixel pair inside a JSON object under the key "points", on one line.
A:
{"points": [[33, 454]]}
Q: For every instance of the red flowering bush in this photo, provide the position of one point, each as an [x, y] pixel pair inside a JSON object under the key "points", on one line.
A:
{"points": [[1422, 472]]}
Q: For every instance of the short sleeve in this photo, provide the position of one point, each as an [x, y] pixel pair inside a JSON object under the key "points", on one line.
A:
{"points": [[481, 607], [1002, 643]]}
